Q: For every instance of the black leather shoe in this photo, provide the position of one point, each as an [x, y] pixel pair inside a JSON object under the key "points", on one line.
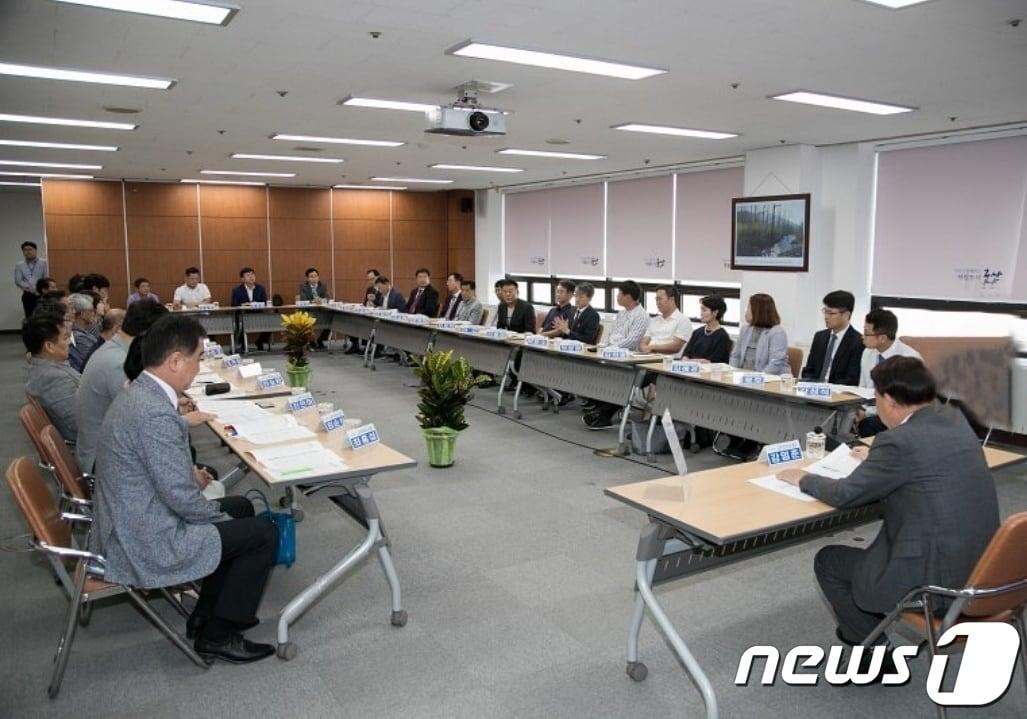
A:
{"points": [[236, 650]]}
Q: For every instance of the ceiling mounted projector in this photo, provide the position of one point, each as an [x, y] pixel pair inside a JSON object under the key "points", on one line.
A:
{"points": [[466, 117]]}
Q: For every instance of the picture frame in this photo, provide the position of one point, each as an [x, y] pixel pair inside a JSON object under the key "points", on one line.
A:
{"points": [[770, 233]]}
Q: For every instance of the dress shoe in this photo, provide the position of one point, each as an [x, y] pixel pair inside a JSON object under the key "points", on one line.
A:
{"points": [[235, 650]]}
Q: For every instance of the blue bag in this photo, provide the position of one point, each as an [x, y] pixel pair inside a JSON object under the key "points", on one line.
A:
{"points": [[285, 523]]}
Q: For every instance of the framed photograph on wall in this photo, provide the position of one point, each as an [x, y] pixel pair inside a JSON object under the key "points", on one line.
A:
{"points": [[770, 233]]}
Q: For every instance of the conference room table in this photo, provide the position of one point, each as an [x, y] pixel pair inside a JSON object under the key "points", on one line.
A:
{"points": [[765, 413], [244, 319], [707, 519]]}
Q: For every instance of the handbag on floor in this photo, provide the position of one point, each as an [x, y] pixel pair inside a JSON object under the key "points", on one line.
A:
{"points": [[284, 522]]}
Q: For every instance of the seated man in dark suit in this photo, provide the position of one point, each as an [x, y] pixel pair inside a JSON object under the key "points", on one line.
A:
{"points": [[937, 495], [424, 299], [583, 323], [150, 520], [453, 298], [564, 309], [392, 299], [249, 291], [514, 314], [836, 351], [316, 292]]}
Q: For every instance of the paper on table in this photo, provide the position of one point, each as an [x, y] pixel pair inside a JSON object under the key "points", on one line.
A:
{"points": [[776, 485], [206, 378], [298, 461], [864, 392], [232, 412], [838, 464], [278, 434]]}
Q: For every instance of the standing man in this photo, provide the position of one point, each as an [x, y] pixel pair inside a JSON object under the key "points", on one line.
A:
{"points": [[670, 329], [470, 309], [836, 351], [244, 295], [181, 537], [453, 298], [27, 273], [564, 310], [314, 290], [514, 314], [424, 299], [193, 293]]}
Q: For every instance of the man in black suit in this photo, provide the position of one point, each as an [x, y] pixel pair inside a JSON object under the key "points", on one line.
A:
{"points": [[249, 291], [514, 314], [836, 351], [424, 299], [583, 322], [937, 495], [453, 298]]}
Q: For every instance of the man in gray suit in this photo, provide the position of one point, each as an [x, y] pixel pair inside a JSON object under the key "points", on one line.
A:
{"points": [[937, 495], [52, 381], [470, 308], [150, 520]]}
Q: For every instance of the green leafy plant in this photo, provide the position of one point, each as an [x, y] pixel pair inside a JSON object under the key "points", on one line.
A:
{"points": [[447, 384], [299, 332]]}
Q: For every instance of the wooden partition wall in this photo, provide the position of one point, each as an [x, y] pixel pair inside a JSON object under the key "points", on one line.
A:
{"points": [[126, 230]]}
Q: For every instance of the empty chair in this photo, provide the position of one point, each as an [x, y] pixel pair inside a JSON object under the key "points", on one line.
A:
{"points": [[77, 485], [795, 361]]}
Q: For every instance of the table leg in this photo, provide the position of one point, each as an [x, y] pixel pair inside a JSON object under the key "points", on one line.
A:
{"points": [[500, 409], [517, 398]]}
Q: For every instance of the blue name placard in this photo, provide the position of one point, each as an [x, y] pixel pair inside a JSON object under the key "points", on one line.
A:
{"points": [[207, 306], [570, 346], [470, 329], [362, 437], [751, 379], [300, 402], [258, 305], [303, 303], [333, 421], [232, 361], [271, 380], [536, 341], [813, 389], [783, 453], [214, 351], [685, 367], [614, 353]]}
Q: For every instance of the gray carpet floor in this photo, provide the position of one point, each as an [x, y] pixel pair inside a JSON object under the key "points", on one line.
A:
{"points": [[516, 572]]}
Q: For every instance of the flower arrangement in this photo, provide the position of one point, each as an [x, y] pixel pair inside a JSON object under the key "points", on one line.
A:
{"points": [[299, 332]]}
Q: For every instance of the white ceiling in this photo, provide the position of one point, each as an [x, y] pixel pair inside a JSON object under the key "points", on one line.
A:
{"points": [[949, 58]]}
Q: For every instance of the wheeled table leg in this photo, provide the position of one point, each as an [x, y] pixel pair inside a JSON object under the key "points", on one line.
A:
{"points": [[650, 548]]}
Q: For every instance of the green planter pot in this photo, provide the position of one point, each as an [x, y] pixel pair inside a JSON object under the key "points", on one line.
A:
{"points": [[297, 376], [441, 443]]}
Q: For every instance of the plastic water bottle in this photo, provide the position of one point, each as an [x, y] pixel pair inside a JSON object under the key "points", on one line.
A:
{"points": [[816, 443]]}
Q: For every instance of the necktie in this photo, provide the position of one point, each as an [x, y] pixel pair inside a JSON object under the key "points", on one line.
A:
{"points": [[413, 303], [826, 369], [880, 358], [574, 320], [454, 302]]}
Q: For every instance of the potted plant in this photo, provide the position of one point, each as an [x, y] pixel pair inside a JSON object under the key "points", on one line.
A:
{"points": [[299, 332], [447, 384]]}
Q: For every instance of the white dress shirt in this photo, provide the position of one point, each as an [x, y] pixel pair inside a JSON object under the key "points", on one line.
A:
{"points": [[871, 358], [191, 296], [168, 389], [664, 329]]}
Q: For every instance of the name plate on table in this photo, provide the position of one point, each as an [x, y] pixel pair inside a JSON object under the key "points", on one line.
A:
{"points": [[813, 389], [207, 306], [333, 421], [258, 305], [231, 361], [614, 353], [416, 319], [246, 371], [685, 367], [469, 329], [362, 437], [300, 402], [213, 351], [449, 324], [782, 453], [495, 333], [570, 347], [271, 380], [303, 303], [750, 379], [536, 341]]}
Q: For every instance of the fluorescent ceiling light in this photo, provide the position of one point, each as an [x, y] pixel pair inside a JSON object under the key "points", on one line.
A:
{"points": [[20, 184], [412, 180], [677, 131], [67, 122], [838, 102], [476, 168], [202, 11], [58, 145], [552, 60], [286, 158], [224, 182], [46, 174], [389, 104], [247, 174], [102, 78], [366, 187], [547, 153], [338, 140], [57, 165], [896, 4]]}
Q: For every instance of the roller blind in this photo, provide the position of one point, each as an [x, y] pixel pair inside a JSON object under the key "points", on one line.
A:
{"points": [[639, 228], [526, 232], [576, 230], [703, 229]]}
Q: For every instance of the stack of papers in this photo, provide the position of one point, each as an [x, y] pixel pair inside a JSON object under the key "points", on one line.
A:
{"points": [[776, 485], [837, 465], [272, 429], [233, 412], [864, 392], [299, 461]]}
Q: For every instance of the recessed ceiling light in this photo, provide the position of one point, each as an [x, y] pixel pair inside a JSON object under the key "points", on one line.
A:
{"points": [[247, 174], [554, 61], [678, 131], [56, 165], [838, 102], [367, 187], [338, 140], [896, 4], [548, 153], [67, 122], [102, 78], [20, 184], [412, 180], [59, 145], [388, 104], [211, 13], [61, 175], [476, 168], [224, 182], [286, 158]]}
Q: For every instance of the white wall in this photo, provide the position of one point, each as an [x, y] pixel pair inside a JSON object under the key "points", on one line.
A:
{"points": [[21, 220]]}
